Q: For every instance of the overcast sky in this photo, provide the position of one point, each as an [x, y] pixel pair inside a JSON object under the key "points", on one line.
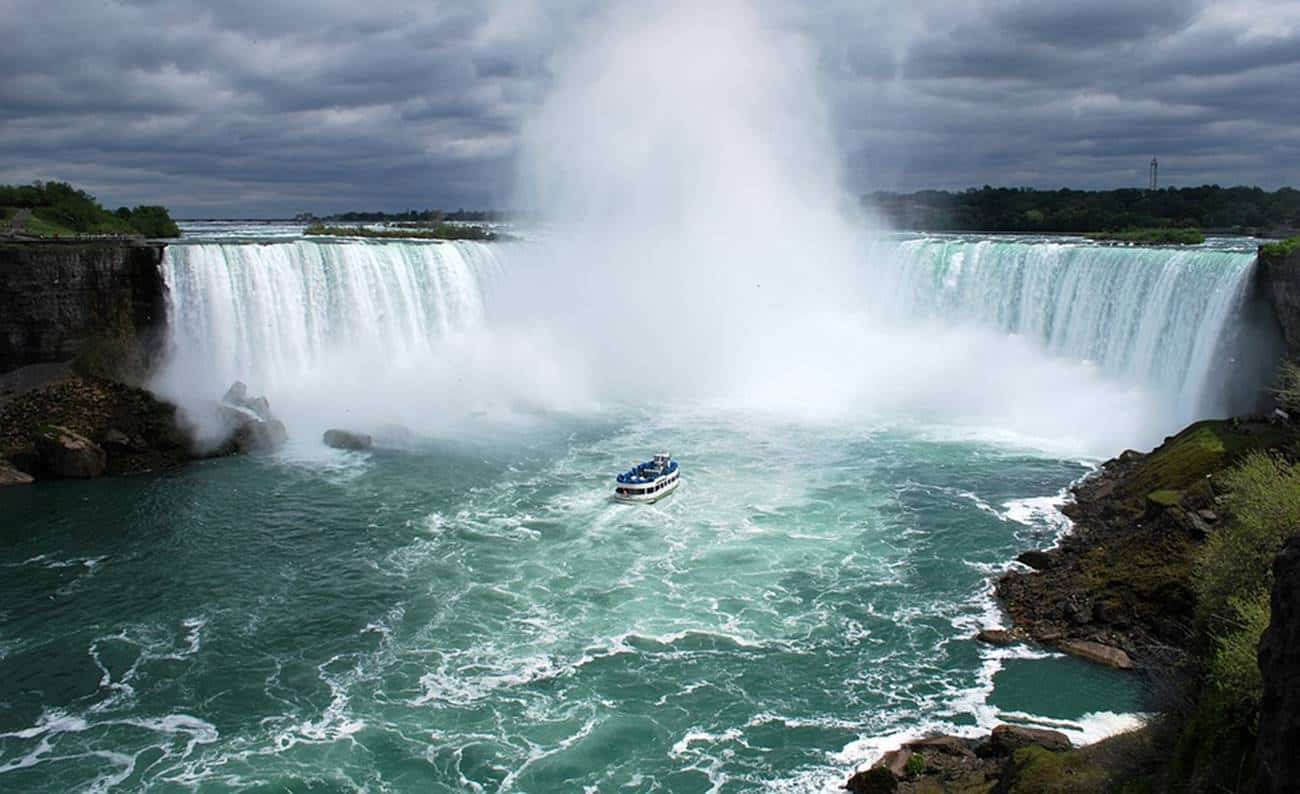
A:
{"points": [[259, 108]]}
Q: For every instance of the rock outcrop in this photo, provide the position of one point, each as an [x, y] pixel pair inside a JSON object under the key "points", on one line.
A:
{"points": [[11, 475], [247, 423], [61, 452], [1012, 760], [62, 299], [1278, 764], [135, 431], [345, 439], [1279, 280]]}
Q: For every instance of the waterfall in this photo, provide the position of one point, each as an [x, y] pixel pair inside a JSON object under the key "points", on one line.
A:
{"points": [[412, 327], [270, 313], [1161, 318]]}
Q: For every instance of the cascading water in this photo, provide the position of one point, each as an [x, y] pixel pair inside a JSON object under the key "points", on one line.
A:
{"points": [[1153, 332], [1156, 318], [274, 313]]}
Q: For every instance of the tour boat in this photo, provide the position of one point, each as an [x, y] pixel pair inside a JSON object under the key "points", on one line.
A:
{"points": [[648, 482]]}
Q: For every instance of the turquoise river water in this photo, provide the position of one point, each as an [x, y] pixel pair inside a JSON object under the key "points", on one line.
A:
{"points": [[470, 611]]}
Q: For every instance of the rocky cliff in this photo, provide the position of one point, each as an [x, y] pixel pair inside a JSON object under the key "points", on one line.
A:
{"points": [[1279, 279], [57, 297], [1279, 662]]}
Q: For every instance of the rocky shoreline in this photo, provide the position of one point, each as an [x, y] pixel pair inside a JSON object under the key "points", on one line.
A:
{"points": [[1115, 590], [62, 424]]}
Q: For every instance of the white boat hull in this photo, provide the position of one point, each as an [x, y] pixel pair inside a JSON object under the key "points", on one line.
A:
{"points": [[650, 497]]}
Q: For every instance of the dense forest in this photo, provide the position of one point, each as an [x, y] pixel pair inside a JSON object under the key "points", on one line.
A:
{"points": [[1246, 210], [57, 209]]}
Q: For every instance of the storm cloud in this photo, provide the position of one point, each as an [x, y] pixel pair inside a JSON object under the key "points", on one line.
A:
{"points": [[266, 108]]}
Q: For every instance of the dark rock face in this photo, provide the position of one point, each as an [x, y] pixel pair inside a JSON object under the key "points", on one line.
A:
{"points": [[343, 439], [1279, 279], [1038, 560], [876, 780], [64, 453], [1279, 662], [56, 297]]}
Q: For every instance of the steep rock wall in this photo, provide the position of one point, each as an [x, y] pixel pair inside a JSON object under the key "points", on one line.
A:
{"points": [[1279, 279], [1279, 662], [56, 296]]}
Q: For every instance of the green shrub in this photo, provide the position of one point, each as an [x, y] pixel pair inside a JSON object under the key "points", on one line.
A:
{"points": [[1235, 565], [915, 765], [1234, 670]]}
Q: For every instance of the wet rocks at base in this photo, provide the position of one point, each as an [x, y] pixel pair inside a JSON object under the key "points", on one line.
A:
{"points": [[75, 426]]}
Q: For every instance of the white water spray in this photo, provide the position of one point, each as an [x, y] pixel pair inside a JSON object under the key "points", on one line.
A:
{"points": [[697, 247]]}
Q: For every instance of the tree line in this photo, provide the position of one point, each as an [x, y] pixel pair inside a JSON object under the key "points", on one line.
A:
{"points": [[1245, 210]]}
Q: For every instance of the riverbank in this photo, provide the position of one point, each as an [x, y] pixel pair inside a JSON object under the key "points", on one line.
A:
{"points": [[1118, 589]]}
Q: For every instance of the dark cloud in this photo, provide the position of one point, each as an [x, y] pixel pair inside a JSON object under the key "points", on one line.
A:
{"points": [[263, 108]]}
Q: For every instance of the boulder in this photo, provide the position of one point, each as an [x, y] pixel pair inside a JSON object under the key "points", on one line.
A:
{"points": [[1277, 762], [1006, 739], [876, 780], [344, 439], [249, 424], [1000, 637], [1099, 653], [261, 436], [1036, 559], [9, 475], [64, 453]]}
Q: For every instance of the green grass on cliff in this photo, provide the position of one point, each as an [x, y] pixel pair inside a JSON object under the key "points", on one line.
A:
{"points": [[1281, 248], [57, 209], [1199, 450]]}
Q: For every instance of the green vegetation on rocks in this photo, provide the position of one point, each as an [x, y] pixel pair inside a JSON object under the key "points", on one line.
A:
{"points": [[1282, 248], [438, 231], [1168, 236]]}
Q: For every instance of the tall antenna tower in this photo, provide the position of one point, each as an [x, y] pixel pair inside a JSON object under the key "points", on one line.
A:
{"points": [[1154, 167]]}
